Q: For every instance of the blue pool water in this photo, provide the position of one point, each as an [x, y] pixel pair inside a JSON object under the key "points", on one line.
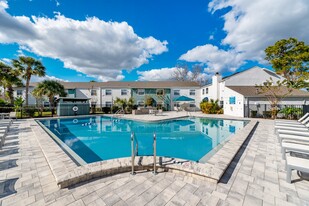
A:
{"points": [[100, 138]]}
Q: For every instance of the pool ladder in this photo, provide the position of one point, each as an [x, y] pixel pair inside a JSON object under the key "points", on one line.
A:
{"points": [[134, 152]]}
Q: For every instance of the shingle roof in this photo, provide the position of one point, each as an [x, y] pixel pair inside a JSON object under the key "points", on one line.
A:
{"points": [[253, 91], [137, 84]]}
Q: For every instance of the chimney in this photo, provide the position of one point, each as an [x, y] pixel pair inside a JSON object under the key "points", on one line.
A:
{"points": [[216, 79]]}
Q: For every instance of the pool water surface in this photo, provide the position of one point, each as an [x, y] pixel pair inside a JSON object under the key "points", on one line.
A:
{"points": [[98, 138]]}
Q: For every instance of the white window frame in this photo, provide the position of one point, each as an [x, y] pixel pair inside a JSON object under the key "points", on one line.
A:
{"points": [[108, 103], [140, 92], [110, 92], [191, 92], [124, 92], [206, 90], [141, 103], [19, 90], [177, 90], [93, 92]]}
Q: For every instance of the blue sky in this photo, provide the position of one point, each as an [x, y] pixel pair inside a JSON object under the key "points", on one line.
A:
{"points": [[144, 40]]}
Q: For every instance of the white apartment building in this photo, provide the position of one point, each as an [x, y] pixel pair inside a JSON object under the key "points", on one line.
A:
{"points": [[234, 92], [237, 91]]}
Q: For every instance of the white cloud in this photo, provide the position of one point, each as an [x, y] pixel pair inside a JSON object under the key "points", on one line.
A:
{"points": [[251, 26], [6, 60], [93, 47], [215, 58], [4, 4], [47, 77], [156, 74], [165, 74]]}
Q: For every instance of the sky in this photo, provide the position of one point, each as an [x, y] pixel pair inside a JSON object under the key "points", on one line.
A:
{"points": [[138, 40]]}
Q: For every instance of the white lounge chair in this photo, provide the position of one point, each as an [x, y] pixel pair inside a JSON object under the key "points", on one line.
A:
{"points": [[13, 115], [289, 137], [303, 128], [293, 147], [293, 132], [2, 136], [295, 163], [295, 121]]}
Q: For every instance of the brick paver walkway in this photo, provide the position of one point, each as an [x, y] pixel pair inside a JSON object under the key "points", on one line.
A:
{"points": [[256, 177]]}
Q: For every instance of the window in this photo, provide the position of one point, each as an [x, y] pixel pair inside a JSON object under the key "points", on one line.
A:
{"points": [[191, 105], [176, 92], [160, 92], [124, 92], [203, 91], [108, 92], [140, 103], [19, 92], [232, 100], [108, 104], [221, 103], [192, 92], [176, 128], [192, 128], [206, 90], [141, 91], [93, 92]]}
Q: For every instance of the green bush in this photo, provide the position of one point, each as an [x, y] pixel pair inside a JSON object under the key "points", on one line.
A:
{"points": [[211, 107], [115, 109], [29, 111], [291, 112], [106, 110]]}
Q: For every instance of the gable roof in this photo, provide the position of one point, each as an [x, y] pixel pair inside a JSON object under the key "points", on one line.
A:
{"points": [[255, 67], [253, 91], [137, 84]]}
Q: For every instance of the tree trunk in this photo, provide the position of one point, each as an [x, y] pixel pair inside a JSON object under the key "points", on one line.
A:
{"points": [[10, 93], [27, 89], [51, 102]]}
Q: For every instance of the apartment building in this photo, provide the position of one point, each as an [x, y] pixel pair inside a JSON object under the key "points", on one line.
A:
{"points": [[103, 94]]}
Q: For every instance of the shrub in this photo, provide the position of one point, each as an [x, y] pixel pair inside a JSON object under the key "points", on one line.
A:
{"points": [[29, 111], [211, 107], [291, 112], [106, 110], [115, 108]]}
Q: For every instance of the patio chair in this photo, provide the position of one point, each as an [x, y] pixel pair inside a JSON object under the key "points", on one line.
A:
{"points": [[2, 136], [303, 122], [295, 163], [293, 127], [13, 115], [293, 121], [293, 132], [294, 147], [292, 138]]}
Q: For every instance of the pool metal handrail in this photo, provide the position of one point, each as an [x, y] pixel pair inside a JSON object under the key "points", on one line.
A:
{"points": [[134, 151], [154, 153]]}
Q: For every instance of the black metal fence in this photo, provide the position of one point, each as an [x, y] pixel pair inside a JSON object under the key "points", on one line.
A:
{"points": [[281, 111]]}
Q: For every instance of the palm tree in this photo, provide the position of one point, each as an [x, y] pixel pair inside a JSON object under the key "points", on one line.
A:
{"points": [[49, 88], [8, 78], [28, 66]]}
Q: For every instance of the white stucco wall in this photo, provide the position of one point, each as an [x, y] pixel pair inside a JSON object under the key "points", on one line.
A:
{"points": [[116, 92], [31, 99], [252, 77], [186, 92], [236, 109]]}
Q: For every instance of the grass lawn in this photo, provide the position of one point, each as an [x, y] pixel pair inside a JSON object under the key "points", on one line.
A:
{"points": [[36, 114]]}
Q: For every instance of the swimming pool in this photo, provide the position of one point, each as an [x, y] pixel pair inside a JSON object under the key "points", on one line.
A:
{"points": [[98, 138]]}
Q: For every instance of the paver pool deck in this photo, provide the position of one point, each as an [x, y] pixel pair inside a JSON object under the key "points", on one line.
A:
{"points": [[255, 177]]}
